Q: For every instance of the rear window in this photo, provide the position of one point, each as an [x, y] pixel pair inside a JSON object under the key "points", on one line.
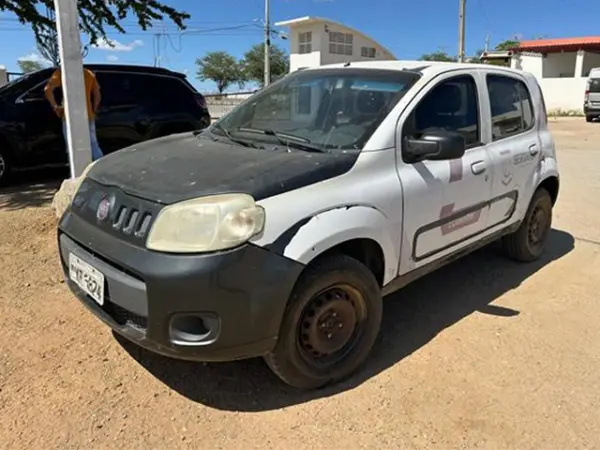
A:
{"points": [[594, 85]]}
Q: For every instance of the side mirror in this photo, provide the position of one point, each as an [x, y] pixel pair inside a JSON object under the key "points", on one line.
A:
{"points": [[434, 145]]}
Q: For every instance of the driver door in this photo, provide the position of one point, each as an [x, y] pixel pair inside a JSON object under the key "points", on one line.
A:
{"points": [[446, 203]]}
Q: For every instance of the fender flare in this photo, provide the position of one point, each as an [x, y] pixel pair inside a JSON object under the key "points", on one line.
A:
{"points": [[314, 235]]}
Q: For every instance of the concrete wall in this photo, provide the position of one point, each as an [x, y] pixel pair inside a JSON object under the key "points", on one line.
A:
{"points": [[563, 93], [3, 76]]}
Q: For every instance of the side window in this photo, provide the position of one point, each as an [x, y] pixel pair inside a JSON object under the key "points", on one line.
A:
{"points": [[37, 93], [116, 88], [451, 105], [511, 106]]}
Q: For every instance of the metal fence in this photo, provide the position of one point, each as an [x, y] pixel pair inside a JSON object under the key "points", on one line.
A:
{"points": [[221, 104]]}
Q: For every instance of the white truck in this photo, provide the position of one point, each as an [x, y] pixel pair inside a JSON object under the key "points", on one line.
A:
{"points": [[277, 231]]}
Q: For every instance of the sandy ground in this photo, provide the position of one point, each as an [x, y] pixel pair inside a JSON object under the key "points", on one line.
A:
{"points": [[503, 356]]}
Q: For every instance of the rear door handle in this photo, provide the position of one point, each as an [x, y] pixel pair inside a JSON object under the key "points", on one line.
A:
{"points": [[478, 167], [533, 149]]}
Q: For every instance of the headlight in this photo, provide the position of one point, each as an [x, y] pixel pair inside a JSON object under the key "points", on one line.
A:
{"points": [[206, 224]]}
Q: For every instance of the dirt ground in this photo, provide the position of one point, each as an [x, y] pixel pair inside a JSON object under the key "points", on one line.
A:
{"points": [[483, 354]]}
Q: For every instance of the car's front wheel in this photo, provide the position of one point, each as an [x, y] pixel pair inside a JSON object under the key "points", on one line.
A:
{"points": [[330, 325], [528, 242]]}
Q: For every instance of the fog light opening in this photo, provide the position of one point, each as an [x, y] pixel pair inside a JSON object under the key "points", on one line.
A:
{"points": [[191, 329]]}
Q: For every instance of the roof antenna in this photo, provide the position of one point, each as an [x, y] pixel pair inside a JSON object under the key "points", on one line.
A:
{"points": [[347, 64]]}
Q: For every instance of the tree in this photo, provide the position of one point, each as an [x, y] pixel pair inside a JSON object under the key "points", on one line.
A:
{"points": [[47, 41], [220, 67], [28, 65], [254, 62], [507, 45], [439, 55], [95, 16]]}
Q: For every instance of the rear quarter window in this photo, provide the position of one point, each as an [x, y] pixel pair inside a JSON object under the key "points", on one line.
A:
{"points": [[594, 85]]}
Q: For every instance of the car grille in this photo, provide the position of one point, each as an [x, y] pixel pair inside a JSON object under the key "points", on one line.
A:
{"points": [[131, 221], [129, 218]]}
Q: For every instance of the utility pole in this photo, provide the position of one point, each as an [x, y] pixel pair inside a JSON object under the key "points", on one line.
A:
{"points": [[71, 63], [487, 43], [462, 6], [267, 43]]}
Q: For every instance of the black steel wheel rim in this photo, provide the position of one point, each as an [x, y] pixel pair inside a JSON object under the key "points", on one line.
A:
{"points": [[331, 325], [538, 226]]}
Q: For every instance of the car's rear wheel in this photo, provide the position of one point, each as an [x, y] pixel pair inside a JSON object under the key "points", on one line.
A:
{"points": [[5, 167], [528, 242], [331, 323]]}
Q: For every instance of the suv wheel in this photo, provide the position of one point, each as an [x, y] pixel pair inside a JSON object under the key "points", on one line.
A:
{"points": [[330, 324], [4, 168], [528, 242], [589, 118]]}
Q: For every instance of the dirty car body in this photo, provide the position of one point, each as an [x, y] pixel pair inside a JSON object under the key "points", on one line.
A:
{"points": [[219, 245]]}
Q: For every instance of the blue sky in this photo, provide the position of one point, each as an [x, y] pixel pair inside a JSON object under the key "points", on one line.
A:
{"points": [[408, 28]]}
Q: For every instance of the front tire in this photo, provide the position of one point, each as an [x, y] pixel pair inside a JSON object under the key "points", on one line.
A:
{"points": [[330, 325], [589, 118], [529, 241]]}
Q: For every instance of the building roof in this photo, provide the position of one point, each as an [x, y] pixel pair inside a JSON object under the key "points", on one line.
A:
{"points": [[308, 20], [554, 45]]}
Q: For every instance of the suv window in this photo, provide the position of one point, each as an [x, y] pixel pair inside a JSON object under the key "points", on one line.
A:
{"points": [[511, 106], [452, 105], [594, 85], [116, 88], [165, 89]]}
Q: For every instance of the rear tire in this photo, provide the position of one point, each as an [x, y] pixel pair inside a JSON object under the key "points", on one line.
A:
{"points": [[529, 241], [331, 322], [5, 166]]}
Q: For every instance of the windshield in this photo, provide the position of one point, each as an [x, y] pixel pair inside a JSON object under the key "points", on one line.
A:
{"points": [[328, 108], [17, 82]]}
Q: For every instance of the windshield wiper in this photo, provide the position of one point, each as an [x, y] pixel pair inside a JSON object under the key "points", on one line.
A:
{"points": [[233, 139], [300, 143]]}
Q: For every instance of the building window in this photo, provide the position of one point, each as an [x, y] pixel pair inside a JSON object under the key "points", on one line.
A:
{"points": [[305, 42], [340, 43], [367, 52]]}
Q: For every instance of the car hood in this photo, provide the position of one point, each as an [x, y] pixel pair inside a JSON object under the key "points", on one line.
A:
{"points": [[184, 166]]}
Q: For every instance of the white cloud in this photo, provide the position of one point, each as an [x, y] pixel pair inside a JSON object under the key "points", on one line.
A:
{"points": [[32, 57], [112, 58], [116, 46]]}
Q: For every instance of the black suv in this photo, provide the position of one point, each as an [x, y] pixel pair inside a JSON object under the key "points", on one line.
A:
{"points": [[138, 103]]}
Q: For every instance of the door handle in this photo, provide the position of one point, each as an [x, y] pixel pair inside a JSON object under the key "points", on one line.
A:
{"points": [[478, 167], [533, 149]]}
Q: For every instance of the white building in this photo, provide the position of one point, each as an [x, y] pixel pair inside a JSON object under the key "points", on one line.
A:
{"points": [[561, 66], [317, 42]]}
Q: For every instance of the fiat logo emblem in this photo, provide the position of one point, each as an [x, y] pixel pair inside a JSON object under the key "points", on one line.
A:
{"points": [[103, 209]]}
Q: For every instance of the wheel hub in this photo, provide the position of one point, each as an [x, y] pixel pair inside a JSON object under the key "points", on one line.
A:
{"points": [[537, 226], [328, 324]]}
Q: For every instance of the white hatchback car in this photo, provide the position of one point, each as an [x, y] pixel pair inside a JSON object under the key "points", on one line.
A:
{"points": [[277, 231]]}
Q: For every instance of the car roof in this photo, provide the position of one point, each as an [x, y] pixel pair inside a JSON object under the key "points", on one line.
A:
{"points": [[429, 68], [126, 68]]}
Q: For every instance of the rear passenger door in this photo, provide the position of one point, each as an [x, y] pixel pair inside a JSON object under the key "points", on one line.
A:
{"points": [[445, 202], [171, 104], [514, 146], [121, 120]]}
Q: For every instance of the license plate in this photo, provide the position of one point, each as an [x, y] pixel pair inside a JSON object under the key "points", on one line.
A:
{"points": [[87, 278]]}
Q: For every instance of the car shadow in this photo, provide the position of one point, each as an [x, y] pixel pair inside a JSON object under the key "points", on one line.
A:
{"points": [[32, 189], [412, 317]]}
